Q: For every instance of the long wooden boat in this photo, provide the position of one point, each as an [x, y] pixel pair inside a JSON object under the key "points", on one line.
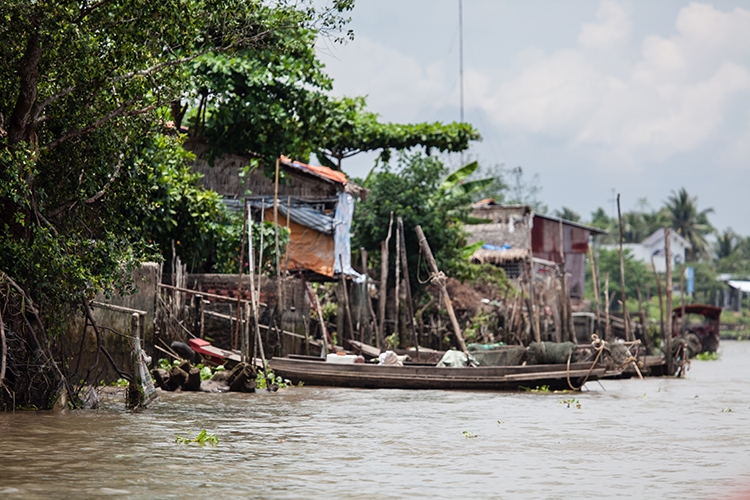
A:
{"points": [[489, 378]]}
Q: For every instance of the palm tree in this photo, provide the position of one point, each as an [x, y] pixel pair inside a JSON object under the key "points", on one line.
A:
{"points": [[691, 224], [726, 244]]}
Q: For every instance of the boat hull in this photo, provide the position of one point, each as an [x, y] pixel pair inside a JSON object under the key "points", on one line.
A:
{"points": [[489, 378]]}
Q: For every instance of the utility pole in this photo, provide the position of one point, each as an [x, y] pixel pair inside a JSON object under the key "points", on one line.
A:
{"points": [[461, 54]]}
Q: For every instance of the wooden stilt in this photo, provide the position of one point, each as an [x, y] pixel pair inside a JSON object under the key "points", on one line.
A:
{"points": [[383, 285], [439, 278], [407, 285], [628, 333]]}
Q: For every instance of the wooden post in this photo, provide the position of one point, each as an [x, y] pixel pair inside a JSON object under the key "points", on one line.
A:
{"points": [[326, 336], [566, 316], [239, 284], [347, 308], [306, 325], [407, 284], [439, 278], [279, 292], [661, 299], [607, 327], [642, 314], [531, 301], [397, 290], [371, 311], [595, 282], [199, 315], [668, 293], [383, 285], [255, 294], [261, 226], [626, 319], [682, 298]]}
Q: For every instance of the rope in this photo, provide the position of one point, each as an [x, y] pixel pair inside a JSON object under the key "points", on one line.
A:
{"points": [[632, 359], [597, 344]]}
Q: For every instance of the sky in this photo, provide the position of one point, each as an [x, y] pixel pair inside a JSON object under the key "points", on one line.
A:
{"points": [[639, 98]]}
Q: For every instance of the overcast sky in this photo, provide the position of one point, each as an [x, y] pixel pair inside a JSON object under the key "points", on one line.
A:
{"points": [[643, 96]]}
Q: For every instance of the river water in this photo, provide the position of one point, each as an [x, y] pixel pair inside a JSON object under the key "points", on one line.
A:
{"points": [[656, 438]]}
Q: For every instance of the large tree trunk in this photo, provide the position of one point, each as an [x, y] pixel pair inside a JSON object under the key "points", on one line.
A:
{"points": [[28, 72]]}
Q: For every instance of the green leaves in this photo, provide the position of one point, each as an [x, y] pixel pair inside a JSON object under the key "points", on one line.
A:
{"points": [[458, 176]]}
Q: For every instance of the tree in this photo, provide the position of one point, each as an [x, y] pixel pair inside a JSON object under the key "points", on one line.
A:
{"points": [[690, 223], [637, 274], [262, 103], [351, 129], [412, 190], [568, 214], [81, 85], [526, 192], [726, 244]]}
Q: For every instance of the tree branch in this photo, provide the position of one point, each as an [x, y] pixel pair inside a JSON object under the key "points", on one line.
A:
{"points": [[40, 107], [111, 178], [119, 112]]}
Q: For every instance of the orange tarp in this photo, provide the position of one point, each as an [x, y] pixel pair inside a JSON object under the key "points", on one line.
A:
{"points": [[307, 248]]}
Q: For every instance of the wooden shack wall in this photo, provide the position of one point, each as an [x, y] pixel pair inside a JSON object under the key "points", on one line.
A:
{"points": [[545, 242], [223, 177]]}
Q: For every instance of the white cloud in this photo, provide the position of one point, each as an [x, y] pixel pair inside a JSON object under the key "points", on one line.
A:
{"points": [[611, 29], [673, 99], [631, 108], [403, 85]]}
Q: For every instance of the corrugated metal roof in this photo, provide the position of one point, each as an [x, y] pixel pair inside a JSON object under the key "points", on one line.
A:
{"points": [[574, 224]]}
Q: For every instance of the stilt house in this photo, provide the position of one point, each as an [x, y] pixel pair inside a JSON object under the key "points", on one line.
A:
{"points": [[514, 233]]}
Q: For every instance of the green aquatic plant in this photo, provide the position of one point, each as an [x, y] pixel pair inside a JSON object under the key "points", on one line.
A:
{"points": [[280, 383], [203, 438], [469, 434], [569, 402], [540, 388], [707, 356]]}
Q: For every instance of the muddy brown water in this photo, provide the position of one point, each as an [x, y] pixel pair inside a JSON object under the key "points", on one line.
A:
{"points": [[656, 438]]}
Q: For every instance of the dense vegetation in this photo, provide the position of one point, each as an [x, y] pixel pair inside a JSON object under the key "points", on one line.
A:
{"points": [[93, 177]]}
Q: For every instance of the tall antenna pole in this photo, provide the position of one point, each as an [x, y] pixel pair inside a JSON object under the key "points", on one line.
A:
{"points": [[461, 53]]}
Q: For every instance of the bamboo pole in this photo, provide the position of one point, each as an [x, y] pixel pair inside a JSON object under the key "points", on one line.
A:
{"points": [[407, 285], [439, 278], [255, 297], [397, 289], [628, 333], [347, 308], [682, 298], [668, 293], [661, 299], [383, 285], [595, 281], [363, 254], [533, 311], [261, 227], [566, 316], [279, 292], [326, 336], [607, 326], [239, 284]]}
